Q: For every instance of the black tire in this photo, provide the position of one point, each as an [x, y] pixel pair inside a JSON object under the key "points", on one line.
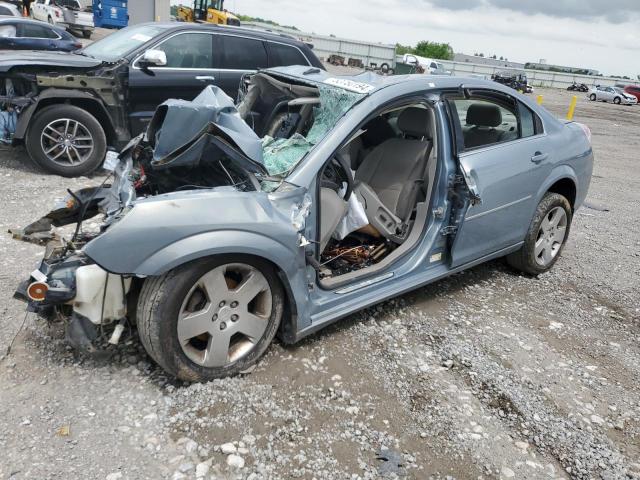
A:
{"points": [[86, 34], [617, 100], [593, 97], [158, 309], [525, 258], [50, 21], [57, 112]]}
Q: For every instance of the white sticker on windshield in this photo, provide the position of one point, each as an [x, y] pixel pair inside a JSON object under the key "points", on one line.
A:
{"points": [[140, 37], [358, 87]]}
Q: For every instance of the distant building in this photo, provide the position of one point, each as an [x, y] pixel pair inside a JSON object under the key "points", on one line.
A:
{"points": [[494, 62], [560, 68]]}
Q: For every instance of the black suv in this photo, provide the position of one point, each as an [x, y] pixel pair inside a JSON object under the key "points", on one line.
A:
{"points": [[72, 106]]}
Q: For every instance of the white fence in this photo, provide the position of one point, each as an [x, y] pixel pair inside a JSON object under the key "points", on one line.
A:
{"points": [[537, 78]]}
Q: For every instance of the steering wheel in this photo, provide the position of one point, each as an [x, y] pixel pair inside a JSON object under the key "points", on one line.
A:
{"points": [[347, 173]]}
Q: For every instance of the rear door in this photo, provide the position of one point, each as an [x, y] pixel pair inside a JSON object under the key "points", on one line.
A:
{"points": [[504, 157], [239, 56], [191, 66]]}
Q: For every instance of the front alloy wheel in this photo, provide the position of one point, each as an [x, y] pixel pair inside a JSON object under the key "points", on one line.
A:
{"points": [[211, 318], [66, 140], [224, 315]]}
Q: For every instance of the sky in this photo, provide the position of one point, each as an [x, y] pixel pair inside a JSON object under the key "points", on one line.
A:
{"points": [[600, 34]]}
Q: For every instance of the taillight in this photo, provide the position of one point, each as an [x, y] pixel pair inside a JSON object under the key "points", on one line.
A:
{"points": [[586, 130]]}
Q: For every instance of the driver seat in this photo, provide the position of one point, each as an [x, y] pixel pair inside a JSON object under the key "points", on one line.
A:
{"points": [[391, 177]]}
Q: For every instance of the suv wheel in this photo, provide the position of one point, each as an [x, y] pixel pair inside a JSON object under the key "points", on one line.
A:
{"points": [[66, 140], [546, 237], [211, 318]]}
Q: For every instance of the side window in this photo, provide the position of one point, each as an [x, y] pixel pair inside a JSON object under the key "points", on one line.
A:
{"points": [[486, 122], [530, 123], [28, 30], [188, 50], [241, 53], [7, 31], [283, 55], [4, 11]]}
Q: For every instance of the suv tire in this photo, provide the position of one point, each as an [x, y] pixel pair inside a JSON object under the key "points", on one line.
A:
{"points": [[546, 237], [209, 292], [69, 127]]}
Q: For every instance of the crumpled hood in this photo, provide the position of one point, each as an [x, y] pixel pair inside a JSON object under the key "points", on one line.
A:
{"points": [[22, 58], [179, 129]]}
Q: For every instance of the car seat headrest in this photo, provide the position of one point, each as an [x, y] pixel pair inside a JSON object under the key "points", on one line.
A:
{"points": [[484, 115], [415, 122]]}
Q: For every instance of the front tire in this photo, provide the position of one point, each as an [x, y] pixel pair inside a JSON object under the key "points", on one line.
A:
{"points": [[617, 100], [592, 97], [66, 140], [86, 34], [546, 237], [211, 318]]}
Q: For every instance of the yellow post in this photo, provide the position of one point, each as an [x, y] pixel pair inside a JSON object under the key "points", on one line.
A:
{"points": [[572, 108], [540, 98]]}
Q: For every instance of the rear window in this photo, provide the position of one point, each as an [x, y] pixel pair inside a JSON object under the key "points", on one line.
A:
{"points": [[285, 55], [240, 53]]}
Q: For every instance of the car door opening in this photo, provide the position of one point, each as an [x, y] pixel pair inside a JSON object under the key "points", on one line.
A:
{"points": [[374, 194]]}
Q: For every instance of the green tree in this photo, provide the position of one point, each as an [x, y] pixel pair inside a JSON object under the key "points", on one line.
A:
{"points": [[442, 51], [402, 49]]}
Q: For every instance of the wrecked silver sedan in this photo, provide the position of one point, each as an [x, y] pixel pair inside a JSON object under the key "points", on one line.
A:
{"points": [[315, 196]]}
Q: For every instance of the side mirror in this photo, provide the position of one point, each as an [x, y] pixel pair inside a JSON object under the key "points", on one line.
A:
{"points": [[153, 58]]}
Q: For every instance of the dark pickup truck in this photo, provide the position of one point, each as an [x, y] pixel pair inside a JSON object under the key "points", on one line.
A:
{"points": [[72, 106]]}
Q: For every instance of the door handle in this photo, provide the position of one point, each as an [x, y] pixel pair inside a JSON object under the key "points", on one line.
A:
{"points": [[206, 78], [539, 157]]}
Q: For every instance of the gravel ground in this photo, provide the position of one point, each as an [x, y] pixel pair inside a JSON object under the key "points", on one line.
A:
{"points": [[488, 374]]}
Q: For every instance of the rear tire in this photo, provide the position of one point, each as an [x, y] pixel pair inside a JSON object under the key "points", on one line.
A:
{"points": [[228, 323], [48, 128], [86, 34], [546, 237]]}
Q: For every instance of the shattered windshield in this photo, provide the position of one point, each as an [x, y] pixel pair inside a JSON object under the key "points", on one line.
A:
{"points": [[281, 155]]}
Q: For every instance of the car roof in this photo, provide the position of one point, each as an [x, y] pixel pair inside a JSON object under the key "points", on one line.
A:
{"points": [[230, 29], [376, 82]]}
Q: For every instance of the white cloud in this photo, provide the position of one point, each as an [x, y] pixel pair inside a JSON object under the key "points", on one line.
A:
{"points": [[581, 40]]}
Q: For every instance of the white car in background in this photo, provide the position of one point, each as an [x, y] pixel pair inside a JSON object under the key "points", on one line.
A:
{"points": [[430, 66], [69, 14], [9, 10], [611, 94]]}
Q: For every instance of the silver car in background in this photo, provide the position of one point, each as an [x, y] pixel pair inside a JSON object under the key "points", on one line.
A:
{"points": [[611, 94]]}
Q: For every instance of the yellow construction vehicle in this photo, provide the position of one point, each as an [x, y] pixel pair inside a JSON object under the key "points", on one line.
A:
{"points": [[210, 11]]}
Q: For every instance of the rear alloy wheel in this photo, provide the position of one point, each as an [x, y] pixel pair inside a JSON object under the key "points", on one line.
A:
{"points": [[212, 318], [546, 237], [592, 97], [66, 140], [617, 100]]}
